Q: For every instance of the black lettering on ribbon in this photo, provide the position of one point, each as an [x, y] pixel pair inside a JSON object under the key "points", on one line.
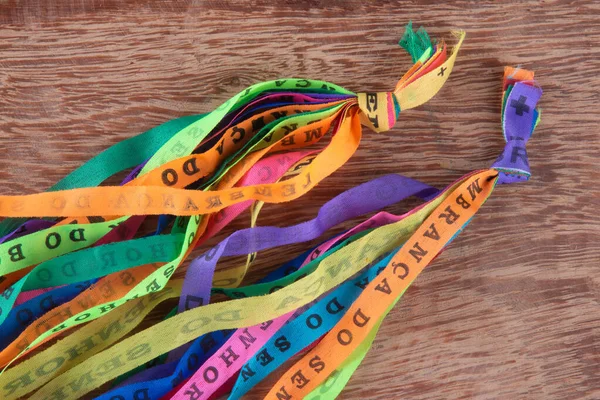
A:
{"points": [[308, 181], [344, 337], [460, 200], [83, 202], [16, 253], [246, 338], [396, 266], [282, 344], [474, 189], [179, 149], [314, 321], [214, 201], [288, 189], [22, 381], [264, 358], [190, 168], [59, 203], [193, 392], [77, 235], [289, 300], [246, 373], [257, 124], [282, 394], [279, 114], [303, 83], [168, 201], [207, 343], [333, 306], [238, 194], [210, 374], [371, 101], [152, 286], [289, 128], [375, 121], [190, 300], [121, 202], [519, 152], [263, 191], [190, 205], [240, 132], [288, 141], [417, 252], [316, 364], [133, 254], [313, 134], [53, 240], [449, 215], [299, 379], [383, 287], [360, 319], [432, 232], [144, 200]]}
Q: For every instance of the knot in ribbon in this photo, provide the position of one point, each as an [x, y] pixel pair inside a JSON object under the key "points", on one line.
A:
{"points": [[379, 110], [431, 69], [519, 118]]}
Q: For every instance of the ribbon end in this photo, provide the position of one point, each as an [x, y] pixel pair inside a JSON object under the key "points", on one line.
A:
{"points": [[416, 43]]}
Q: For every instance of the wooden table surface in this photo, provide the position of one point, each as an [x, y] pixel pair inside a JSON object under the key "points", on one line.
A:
{"points": [[511, 309]]}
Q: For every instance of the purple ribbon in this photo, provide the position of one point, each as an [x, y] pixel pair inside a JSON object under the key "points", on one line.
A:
{"points": [[27, 228], [368, 197], [518, 123]]}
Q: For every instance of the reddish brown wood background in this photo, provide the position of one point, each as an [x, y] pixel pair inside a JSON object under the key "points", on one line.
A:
{"points": [[511, 310]]}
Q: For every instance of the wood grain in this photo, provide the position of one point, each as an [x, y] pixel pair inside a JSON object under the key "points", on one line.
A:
{"points": [[511, 309]]}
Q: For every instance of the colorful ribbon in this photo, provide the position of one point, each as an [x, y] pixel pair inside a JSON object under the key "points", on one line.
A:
{"points": [[89, 263], [116, 288]]}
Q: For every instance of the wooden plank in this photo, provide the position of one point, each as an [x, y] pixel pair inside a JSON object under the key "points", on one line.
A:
{"points": [[510, 310]]}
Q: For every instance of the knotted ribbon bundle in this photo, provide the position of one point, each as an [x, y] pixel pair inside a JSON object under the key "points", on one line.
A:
{"points": [[206, 170], [194, 170]]}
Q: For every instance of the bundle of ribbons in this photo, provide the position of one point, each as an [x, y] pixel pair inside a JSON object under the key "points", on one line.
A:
{"points": [[78, 274]]}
